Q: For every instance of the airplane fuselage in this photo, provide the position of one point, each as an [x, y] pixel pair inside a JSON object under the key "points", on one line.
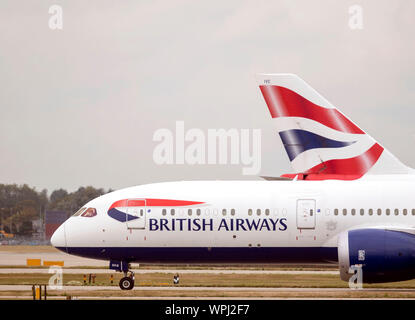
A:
{"points": [[236, 221]]}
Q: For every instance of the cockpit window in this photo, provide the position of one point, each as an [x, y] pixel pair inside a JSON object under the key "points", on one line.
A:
{"points": [[80, 211], [90, 212]]}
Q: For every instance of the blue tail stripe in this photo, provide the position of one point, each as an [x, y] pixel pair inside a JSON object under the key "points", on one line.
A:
{"points": [[297, 141]]}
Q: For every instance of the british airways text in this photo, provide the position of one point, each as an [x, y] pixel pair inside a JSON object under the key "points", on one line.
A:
{"points": [[184, 224]]}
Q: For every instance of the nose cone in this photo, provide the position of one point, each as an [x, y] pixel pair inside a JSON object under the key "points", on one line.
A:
{"points": [[58, 239]]}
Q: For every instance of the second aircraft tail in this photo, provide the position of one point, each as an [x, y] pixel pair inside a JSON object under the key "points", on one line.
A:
{"points": [[321, 142]]}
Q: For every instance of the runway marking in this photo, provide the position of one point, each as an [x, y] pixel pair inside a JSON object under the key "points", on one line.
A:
{"points": [[183, 271], [187, 298], [147, 288]]}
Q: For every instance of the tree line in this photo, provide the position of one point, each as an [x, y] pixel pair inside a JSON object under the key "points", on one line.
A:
{"points": [[21, 204]]}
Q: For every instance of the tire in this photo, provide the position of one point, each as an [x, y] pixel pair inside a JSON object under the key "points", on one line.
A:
{"points": [[126, 283]]}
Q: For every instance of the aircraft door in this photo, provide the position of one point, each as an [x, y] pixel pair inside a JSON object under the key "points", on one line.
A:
{"points": [[306, 214], [136, 213]]}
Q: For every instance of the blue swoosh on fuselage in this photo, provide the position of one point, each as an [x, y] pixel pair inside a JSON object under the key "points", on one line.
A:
{"points": [[120, 216]]}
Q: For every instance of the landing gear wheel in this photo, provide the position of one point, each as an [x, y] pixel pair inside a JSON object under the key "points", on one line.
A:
{"points": [[126, 283]]}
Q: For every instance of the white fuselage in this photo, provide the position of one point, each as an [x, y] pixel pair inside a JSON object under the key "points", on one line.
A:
{"points": [[239, 220]]}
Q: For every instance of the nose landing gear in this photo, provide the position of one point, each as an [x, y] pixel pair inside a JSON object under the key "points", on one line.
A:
{"points": [[127, 282]]}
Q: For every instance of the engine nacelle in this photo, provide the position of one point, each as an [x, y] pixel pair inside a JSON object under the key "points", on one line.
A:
{"points": [[384, 255]]}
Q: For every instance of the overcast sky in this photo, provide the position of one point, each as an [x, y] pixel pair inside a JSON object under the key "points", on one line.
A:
{"points": [[79, 106]]}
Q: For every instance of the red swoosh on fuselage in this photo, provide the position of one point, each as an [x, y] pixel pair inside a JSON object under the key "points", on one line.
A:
{"points": [[153, 203]]}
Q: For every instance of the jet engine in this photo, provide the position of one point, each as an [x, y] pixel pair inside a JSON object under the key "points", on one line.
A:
{"points": [[383, 255]]}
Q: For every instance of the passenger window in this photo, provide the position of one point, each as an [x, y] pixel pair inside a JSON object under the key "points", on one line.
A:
{"points": [[172, 212], [370, 212], [353, 212], [224, 212], [405, 212], [267, 212], [198, 212], [258, 212], [233, 212], [388, 212], [250, 212], [362, 212], [141, 212], [396, 212], [344, 212], [189, 212], [379, 212], [413, 212], [336, 212]]}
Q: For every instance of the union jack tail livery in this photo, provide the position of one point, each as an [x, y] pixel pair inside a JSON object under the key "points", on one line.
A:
{"points": [[320, 141]]}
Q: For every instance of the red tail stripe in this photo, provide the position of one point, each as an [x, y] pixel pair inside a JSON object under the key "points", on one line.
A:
{"points": [[353, 166], [283, 102], [343, 169], [153, 203], [322, 176]]}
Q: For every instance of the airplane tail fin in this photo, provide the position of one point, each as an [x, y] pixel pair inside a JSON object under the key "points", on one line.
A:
{"points": [[320, 141]]}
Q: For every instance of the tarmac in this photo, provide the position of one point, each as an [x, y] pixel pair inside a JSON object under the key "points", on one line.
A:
{"points": [[19, 259], [14, 262], [180, 288], [181, 271]]}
